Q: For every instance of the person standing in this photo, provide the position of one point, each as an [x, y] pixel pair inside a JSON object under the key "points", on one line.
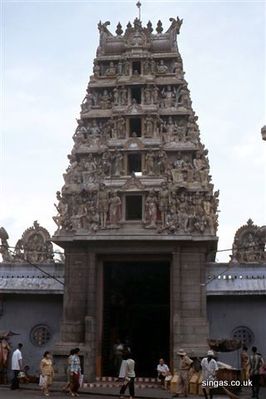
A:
{"points": [[256, 361], [244, 363], [129, 380], [16, 366], [209, 368], [47, 372], [75, 372], [185, 364], [118, 349]]}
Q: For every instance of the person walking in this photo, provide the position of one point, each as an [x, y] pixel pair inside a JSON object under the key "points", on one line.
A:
{"points": [[256, 361], [129, 380], [209, 368], [185, 364], [66, 387], [16, 366], [47, 373], [75, 372]]}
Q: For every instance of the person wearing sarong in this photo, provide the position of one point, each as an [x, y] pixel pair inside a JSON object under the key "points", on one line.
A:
{"points": [[47, 373], [75, 372], [185, 364]]}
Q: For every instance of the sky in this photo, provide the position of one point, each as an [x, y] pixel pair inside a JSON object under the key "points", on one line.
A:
{"points": [[47, 52]]}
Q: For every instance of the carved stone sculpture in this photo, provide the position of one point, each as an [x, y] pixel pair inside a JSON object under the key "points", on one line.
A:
{"points": [[4, 248], [151, 210], [163, 202], [149, 126], [114, 210], [111, 71], [162, 68], [118, 164], [249, 244], [150, 163], [103, 203]]}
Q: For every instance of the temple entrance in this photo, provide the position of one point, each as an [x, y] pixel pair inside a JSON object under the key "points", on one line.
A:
{"points": [[136, 312]]}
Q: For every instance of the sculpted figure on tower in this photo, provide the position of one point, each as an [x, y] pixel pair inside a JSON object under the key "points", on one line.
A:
{"points": [[137, 135]]}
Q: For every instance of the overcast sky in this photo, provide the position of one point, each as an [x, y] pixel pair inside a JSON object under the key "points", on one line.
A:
{"points": [[48, 49]]}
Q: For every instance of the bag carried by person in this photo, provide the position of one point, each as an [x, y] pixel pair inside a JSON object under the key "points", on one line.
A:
{"points": [[42, 381], [81, 379]]}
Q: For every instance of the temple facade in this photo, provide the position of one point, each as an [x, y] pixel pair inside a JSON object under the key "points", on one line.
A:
{"points": [[137, 215], [235, 295]]}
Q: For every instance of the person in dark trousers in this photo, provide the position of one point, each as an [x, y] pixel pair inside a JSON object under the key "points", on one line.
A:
{"points": [[255, 362], [16, 366], [129, 379]]}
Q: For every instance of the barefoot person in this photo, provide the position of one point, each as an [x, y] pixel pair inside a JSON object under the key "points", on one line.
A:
{"points": [[47, 373]]}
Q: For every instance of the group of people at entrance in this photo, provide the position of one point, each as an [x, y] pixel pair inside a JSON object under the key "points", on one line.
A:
{"points": [[47, 371], [253, 369], [209, 367]]}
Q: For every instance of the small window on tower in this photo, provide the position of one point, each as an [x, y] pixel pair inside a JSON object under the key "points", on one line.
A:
{"points": [[135, 127], [134, 163], [136, 95], [133, 207], [136, 68]]}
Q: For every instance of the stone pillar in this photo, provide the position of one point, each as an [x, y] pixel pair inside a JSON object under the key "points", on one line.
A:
{"points": [[74, 310], [90, 321], [190, 325]]}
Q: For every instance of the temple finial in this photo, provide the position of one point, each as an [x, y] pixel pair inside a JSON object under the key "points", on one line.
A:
{"points": [[139, 7]]}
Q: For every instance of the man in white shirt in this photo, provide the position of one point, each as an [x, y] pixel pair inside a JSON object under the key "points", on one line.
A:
{"points": [[16, 366], [209, 368], [163, 371]]}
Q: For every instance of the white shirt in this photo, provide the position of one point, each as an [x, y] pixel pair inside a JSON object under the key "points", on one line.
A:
{"points": [[163, 369], [16, 357], [208, 369], [130, 368]]}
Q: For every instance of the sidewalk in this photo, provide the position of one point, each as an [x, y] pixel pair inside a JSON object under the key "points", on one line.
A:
{"points": [[146, 393]]}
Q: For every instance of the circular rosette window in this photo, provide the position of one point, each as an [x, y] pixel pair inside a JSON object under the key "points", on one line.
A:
{"points": [[243, 334], [40, 335]]}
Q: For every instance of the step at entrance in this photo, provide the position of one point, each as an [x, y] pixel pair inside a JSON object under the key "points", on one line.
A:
{"points": [[112, 382]]}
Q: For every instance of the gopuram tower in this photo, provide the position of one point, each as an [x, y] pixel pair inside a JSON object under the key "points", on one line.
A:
{"points": [[137, 215]]}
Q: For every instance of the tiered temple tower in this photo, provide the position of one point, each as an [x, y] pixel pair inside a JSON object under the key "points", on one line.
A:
{"points": [[137, 193]]}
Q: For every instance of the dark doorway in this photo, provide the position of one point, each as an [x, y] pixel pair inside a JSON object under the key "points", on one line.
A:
{"points": [[133, 207], [136, 67], [137, 312], [135, 127], [136, 94], [133, 163]]}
